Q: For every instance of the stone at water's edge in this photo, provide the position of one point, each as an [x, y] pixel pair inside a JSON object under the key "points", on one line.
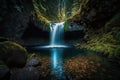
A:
{"points": [[33, 62], [13, 54]]}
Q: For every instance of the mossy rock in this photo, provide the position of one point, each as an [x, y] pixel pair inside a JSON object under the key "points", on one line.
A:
{"points": [[13, 54]]}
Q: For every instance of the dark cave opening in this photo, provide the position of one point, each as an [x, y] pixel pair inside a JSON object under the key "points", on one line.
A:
{"points": [[35, 32]]}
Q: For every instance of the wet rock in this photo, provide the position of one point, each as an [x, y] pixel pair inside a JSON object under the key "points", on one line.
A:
{"points": [[33, 62], [75, 27], [4, 72], [13, 54], [27, 73]]}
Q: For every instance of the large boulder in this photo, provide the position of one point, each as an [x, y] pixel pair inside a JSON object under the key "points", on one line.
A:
{"points": [[13, 54]]}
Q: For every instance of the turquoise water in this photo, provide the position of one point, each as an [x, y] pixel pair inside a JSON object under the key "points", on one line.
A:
{"points": [[57, 50], [56, 41]]}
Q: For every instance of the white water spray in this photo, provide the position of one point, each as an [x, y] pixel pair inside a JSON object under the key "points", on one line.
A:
{"points": [[57, 43], [56, 36], [56, 46]]}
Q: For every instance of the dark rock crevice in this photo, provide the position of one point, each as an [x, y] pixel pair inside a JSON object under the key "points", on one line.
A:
{"points": [[97, 13], [16, 17]]}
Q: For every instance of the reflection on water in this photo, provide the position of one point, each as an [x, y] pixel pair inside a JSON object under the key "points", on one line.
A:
{"points": [[57, 57], [57, 64], [57, 48], [56, 41]]}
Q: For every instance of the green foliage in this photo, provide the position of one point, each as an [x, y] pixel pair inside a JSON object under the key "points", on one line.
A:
{"points": [[105, 43], [57, 10], [66, 25], [108, 39], [48, 27]]}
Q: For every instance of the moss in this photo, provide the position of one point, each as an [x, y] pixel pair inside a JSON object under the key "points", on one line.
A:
{"points": [[107, 40], [58, 11], [8, 44], [13, 54], [66, 25], [40, 16], [31, 55], [105, 44]]}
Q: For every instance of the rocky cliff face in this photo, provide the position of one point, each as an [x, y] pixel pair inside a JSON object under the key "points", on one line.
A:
{"points": [[101, 19], [97, 12], [14, 17], [16, 14], [57, 10]]}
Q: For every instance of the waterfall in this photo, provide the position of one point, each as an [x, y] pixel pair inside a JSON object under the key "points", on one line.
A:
{"points": [[56, 33], [57, 43], [56, 46], [56, 36]]}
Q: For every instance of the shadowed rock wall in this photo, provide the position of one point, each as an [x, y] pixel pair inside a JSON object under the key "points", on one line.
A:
{"points": [[14, 17]]}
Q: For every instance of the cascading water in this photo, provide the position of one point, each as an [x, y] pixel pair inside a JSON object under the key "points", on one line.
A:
{"points": [[56, 33], [63, 10], [56, 36], [57, 43], [56, 46]]}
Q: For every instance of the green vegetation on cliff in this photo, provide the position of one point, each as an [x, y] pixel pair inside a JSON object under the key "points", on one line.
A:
{"points": [[107, 40], [59, 10]]}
